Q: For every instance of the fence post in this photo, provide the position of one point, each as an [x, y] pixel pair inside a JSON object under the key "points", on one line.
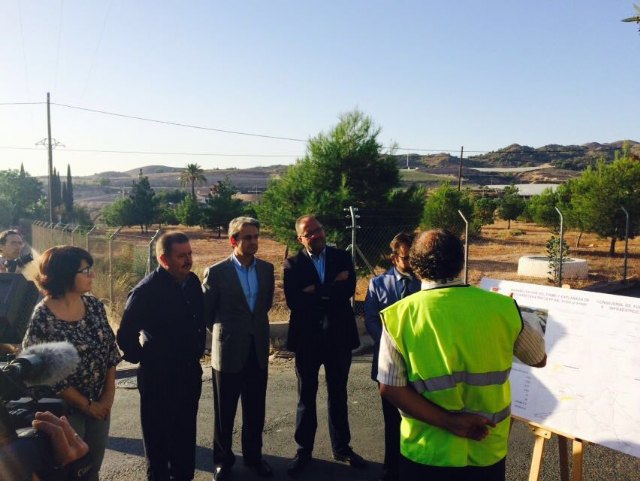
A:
{"points": [[561, 245], [466, 245], [153, 239], [626, 244], [111, 266], [73, 232], [89, 233], [354, 255], [352, 213]]}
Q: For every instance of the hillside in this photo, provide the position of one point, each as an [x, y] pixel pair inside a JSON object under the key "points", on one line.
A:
{"points": [[512, 164], [518, 163], [569, 157]]}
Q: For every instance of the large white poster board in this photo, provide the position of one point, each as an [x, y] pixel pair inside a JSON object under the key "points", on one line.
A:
{"points": [[590, 388]]}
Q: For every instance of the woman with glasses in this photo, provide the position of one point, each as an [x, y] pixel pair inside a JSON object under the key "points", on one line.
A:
{"points": [[69, 313]]}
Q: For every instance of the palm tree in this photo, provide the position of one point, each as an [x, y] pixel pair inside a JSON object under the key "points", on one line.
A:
{"points": [[192, 174]]}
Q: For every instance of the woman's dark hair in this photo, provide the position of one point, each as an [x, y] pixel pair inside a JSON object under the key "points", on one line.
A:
{"points": [[437, 255], [58, 268]]}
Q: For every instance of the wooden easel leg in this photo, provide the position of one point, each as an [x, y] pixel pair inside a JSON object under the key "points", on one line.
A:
{"points": [[577, 454], [563, 456], [536, 459]]}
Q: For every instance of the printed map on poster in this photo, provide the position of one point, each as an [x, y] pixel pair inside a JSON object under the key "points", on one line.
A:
{"points": [[590, 387]]}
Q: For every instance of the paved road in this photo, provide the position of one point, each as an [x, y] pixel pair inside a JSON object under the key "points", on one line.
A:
{"points": [[125, 460]]}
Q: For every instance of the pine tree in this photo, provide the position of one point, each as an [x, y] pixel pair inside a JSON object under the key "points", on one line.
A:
{"points": [[143, 202], [68, 200], [56, 189]]}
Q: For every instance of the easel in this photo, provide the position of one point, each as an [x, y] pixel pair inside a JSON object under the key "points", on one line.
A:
{"points": [[543, 433]]}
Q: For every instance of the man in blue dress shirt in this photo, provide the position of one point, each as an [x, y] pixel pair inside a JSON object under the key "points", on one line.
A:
{"points": [[238, 293], [384, 290]]}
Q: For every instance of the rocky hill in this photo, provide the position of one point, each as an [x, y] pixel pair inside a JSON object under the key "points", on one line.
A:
{"points": [[569, 157]]}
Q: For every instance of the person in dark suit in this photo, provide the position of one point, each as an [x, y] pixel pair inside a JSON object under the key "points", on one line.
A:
{"points": [[318, 283], [238, 293], [166, 307], [384, 290]]}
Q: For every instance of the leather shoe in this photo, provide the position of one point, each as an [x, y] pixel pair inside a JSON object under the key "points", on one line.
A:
{"points": [[351, 457], [221, 473], [261, 468], [297, 464]]}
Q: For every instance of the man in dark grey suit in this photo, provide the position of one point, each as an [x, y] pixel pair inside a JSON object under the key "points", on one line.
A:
{"points": [[238, 293]]}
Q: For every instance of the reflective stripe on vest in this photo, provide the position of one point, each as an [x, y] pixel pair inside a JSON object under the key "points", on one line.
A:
{"points": [[470, 378], [495, 418]]}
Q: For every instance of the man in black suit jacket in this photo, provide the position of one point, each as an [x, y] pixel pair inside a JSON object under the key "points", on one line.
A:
{"points": [[318, 283], [238, 293]]}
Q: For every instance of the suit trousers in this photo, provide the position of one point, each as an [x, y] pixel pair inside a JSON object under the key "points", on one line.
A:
{"points": [[337, 362], [169, 395], [392, 421], [250, 385]]}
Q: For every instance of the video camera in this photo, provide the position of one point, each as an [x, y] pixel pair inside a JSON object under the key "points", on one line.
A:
{"points": [[13, 264], [23, 392]]}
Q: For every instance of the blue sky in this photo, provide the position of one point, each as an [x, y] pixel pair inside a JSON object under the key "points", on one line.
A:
{"points": [[433, 75]]}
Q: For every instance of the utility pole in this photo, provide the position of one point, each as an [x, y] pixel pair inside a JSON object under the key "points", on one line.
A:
{"points": [[460, 169], [50, 143], [50, 148]]}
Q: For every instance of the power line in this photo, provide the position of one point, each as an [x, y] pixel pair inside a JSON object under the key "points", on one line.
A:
{"points": [[274, 137], [55, 85], [22, 103], [143, 152], [95, 53], [179, 124]]}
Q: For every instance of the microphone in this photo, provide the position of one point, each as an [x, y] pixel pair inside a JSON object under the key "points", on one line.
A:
{"points": [[44, 364]]}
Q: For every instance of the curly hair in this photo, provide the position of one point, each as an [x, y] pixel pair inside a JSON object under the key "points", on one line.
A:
{"points": [[58, 268], [437, 255]]}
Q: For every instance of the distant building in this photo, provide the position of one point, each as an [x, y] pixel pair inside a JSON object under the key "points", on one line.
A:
{"points": [[526, 190]]}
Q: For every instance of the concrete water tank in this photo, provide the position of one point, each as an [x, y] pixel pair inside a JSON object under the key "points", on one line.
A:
{"points": [[538, 266]]}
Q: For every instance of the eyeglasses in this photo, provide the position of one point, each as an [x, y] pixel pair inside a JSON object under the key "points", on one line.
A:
{"points": [[86, 271], [313, 232], [404, 258]]}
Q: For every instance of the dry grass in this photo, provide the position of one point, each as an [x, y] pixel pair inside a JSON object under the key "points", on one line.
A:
{"points": [[495, 254]]}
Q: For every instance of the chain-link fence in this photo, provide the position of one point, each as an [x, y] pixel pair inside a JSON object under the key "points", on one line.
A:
{"points": [[123, 257], [120, 259]]}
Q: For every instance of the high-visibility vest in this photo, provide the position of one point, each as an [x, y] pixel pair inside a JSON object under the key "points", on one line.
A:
{"points": [[457, 343]]}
